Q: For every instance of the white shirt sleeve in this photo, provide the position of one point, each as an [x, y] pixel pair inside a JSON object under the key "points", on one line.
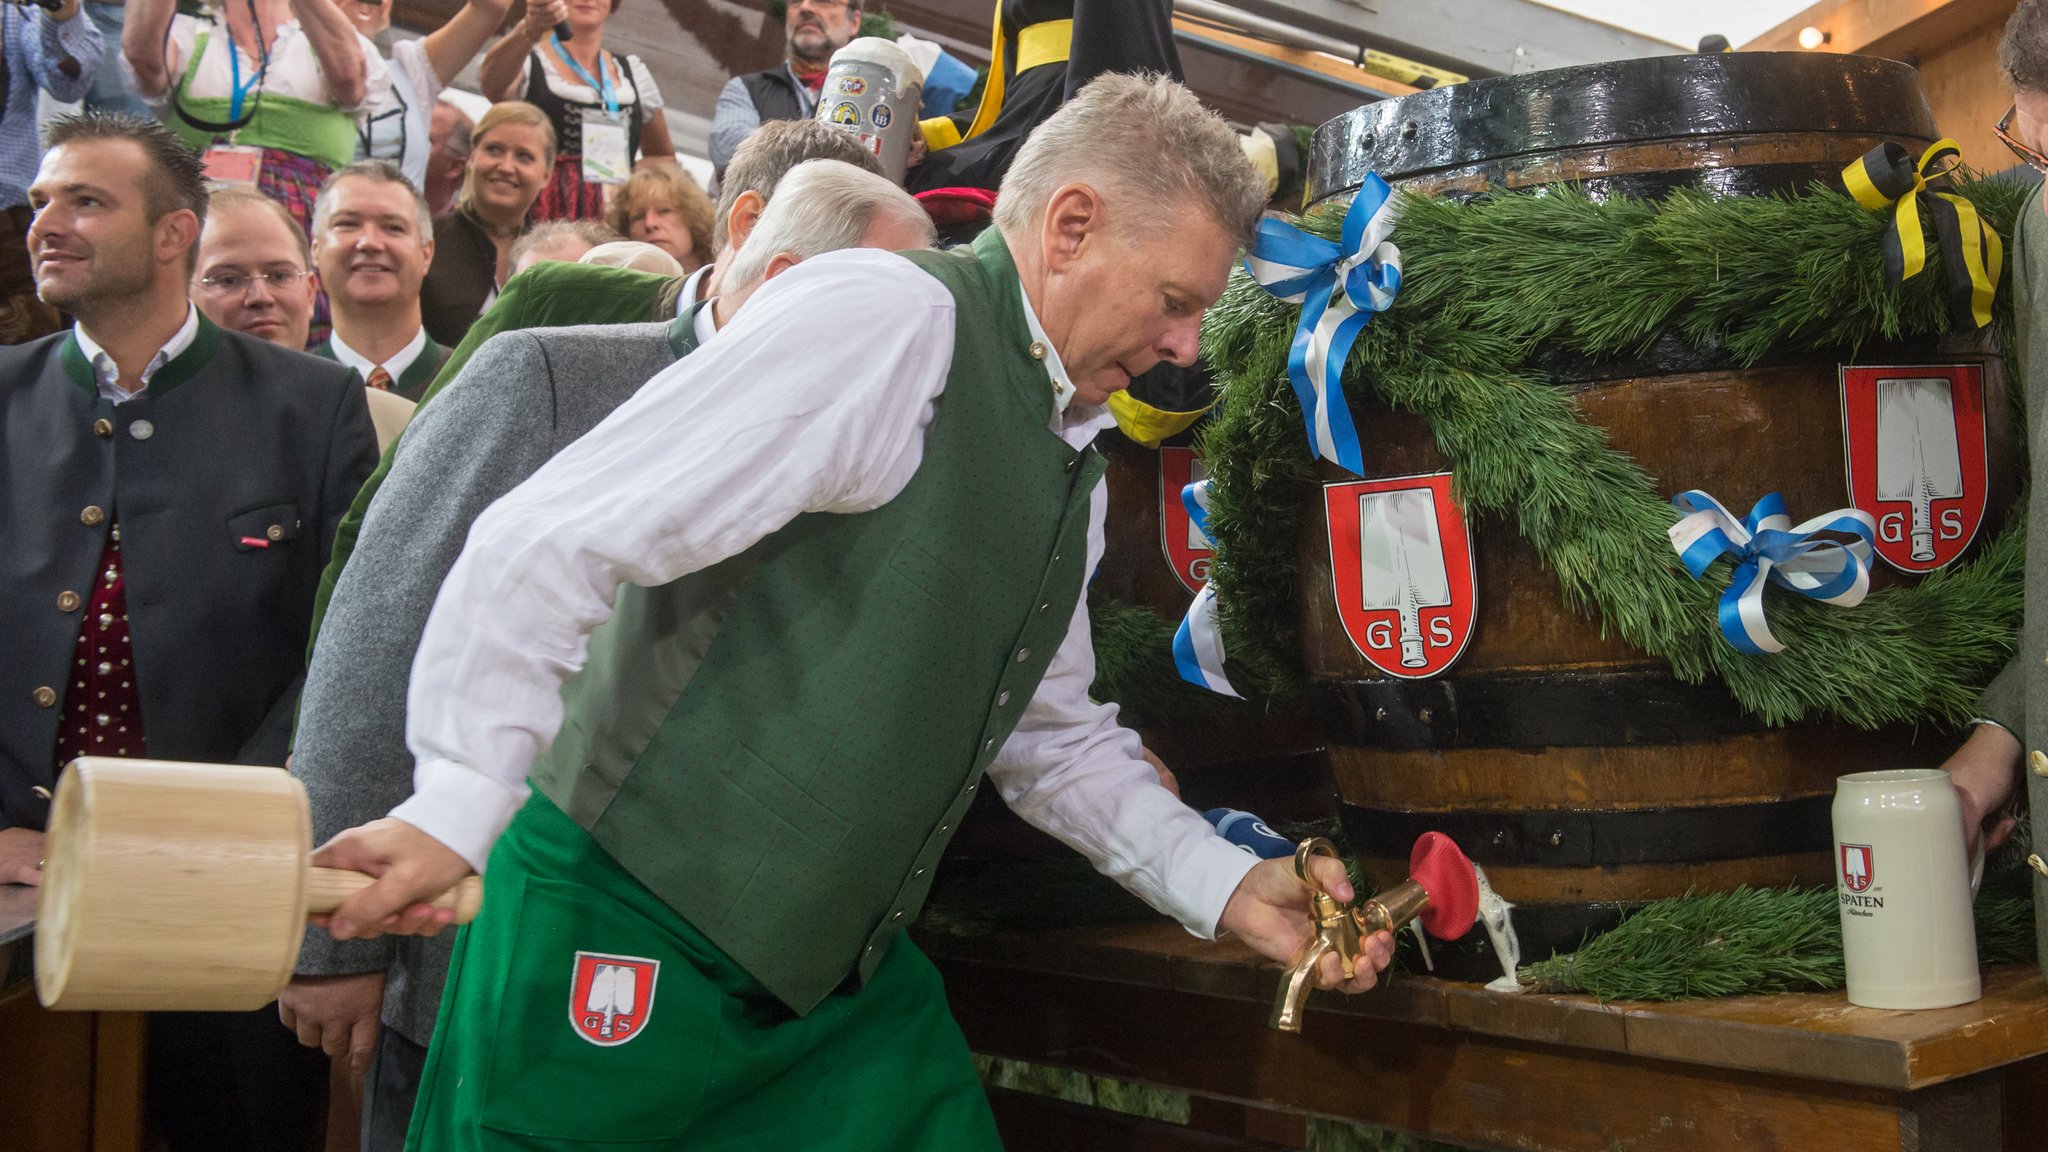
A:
{"points": [[644, 86], [413, 68], [815, 398], [1073, 771]]}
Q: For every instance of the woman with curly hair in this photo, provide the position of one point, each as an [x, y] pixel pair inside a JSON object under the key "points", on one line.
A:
{"points": [[664, 207]]}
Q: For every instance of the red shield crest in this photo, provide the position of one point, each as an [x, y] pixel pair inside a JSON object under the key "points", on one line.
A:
{"points": [[1187, 549], [1859, 867], [610, 997], [1913, 438], [1401, 558]]}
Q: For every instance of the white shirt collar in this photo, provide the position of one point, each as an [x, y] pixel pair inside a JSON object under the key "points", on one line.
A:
{"points": [[693, 288], [396, 366], [108, 374], [704, 327], [1062, 384]]}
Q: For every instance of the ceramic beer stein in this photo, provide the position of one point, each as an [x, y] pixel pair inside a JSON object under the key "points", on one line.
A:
{"points": [[1906, 890], [873, 90]]}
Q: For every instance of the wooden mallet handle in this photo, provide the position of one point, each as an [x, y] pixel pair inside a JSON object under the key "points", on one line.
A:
{"points": [[326, 888]]}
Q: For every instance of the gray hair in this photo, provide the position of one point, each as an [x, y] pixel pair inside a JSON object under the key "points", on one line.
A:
{"points": [[383, 172], [2023, 52], [767, 155], [591, 232], [821, 206], [638, 255], [459, 142], [1146, 137]]}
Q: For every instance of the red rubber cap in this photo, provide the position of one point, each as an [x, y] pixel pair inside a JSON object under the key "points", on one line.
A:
{"points": [[1453, 888]]}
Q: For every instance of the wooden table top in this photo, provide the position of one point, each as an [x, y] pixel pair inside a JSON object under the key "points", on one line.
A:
{"points": [[1813, 1035]]}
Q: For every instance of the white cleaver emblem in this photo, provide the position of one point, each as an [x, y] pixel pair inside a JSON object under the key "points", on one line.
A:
{"points": [[614, 992], [610, 996], [1401, 560], [1918, 459]]}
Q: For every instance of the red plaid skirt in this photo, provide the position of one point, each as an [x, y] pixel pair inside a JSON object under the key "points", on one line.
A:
{"points": [[565, 196], [294, 181]]}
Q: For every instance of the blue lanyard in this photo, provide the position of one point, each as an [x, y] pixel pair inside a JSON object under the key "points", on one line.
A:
{"points": [[602, 85], [238, 90]]}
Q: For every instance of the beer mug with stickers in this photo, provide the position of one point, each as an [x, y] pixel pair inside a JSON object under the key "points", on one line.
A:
{"points": [[1906, 890], [873, 90]]}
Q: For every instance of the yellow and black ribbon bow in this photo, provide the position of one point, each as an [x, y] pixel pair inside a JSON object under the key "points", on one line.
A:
{"points": [[1971, 254]]}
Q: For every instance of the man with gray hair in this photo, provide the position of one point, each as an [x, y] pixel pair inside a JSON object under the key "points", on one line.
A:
{"points": [[373, 240], [448, 146], [755, 639], [522, 398], [821, 206]]}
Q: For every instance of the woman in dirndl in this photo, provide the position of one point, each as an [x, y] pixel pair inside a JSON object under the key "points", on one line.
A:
{"points": [[605, 108], [268, 89]]}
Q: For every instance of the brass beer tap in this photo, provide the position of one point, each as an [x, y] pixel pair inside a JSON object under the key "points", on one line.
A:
{"points": [[1339, 929]]}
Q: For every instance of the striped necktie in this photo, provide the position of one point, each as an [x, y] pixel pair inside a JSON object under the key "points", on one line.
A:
{"points": [[379, 379]]}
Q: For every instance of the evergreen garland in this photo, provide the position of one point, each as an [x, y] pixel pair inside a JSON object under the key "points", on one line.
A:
{"points": [[1752, 942], [1134, 668], [1485, 285]]}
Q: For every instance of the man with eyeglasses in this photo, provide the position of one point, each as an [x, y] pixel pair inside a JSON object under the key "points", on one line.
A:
{"points": [[254, 276], [171, 491], [812, 31], [254, 269], [2012, 724]]}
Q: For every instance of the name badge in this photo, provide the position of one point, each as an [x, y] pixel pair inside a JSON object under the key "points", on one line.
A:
{"points": [[232, 165], [605, 157]]}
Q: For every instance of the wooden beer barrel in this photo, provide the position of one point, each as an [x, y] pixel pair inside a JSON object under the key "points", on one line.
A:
{"points": [[1745, 123], [1575, 769], [1261, 757]]}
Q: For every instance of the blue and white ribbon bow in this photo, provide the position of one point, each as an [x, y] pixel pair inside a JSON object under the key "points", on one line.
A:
{"points": [[1339, 287], [1198, 645], [1769, 549]]}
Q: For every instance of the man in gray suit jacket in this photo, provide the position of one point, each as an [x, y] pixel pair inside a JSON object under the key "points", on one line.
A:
{"points": [[521, 399], [2012, 726]]}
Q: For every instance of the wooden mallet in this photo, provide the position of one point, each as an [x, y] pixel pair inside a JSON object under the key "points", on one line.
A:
{"points": [[170, 886]]}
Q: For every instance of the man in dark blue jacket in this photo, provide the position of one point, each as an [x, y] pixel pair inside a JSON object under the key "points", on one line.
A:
{"points": [[168, 492]]}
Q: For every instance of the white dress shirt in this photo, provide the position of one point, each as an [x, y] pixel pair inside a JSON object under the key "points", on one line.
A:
{"points": [[395, 367], [814, 398], [108, 374]]}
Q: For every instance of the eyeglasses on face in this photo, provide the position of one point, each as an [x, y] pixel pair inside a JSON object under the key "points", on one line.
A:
{"points": [[236, 283], [2003, 130]]}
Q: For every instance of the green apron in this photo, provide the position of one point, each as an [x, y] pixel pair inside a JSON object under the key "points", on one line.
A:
{"points": [[710, 1061]]}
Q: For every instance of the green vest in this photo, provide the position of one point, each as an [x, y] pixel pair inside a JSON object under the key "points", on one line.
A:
{"points": [[779, 747]]}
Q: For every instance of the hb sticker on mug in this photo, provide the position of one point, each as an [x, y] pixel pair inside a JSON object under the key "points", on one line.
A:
{"points": [[1906, 890]]}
